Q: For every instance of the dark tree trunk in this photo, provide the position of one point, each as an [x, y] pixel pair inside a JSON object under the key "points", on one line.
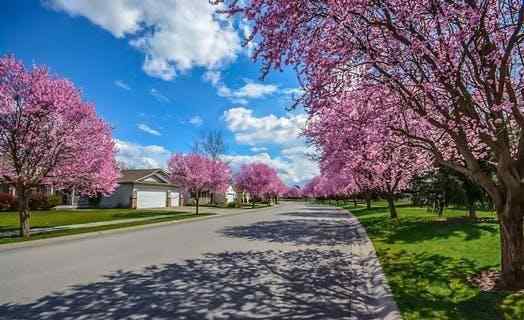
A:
{"points": [[22, 195], [355, 203], [197, 202], [440, 208], [392, 209], [472, 212], [512, 243], [368, 202]]}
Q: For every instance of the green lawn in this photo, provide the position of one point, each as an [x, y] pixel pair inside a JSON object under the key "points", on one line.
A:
{"points": [[51, 218], [427, 261]]}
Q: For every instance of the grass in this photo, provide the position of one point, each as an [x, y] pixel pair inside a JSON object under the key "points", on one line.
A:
{"points": [[427, 261], [52, 218]]}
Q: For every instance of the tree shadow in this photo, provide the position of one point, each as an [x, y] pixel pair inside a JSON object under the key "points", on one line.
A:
{"points": [[431, 286], [302, 231], [414, 230], [319, 212], [302, 284]]}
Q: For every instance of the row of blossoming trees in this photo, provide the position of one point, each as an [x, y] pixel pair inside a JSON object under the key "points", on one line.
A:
{"points": [[198, 174], [395, 86], [49, 136]]}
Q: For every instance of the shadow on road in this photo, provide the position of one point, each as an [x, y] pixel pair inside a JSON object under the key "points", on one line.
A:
{"points": [[303, 284], [301, 231]]}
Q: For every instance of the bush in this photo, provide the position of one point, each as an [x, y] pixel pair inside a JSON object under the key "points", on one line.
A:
{"points": [[7, 201], [54, 200], [41, 201], [38, 201], [231, 205]]}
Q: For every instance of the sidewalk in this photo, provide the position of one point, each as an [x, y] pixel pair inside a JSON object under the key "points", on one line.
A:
{"points": [[375, 300]]}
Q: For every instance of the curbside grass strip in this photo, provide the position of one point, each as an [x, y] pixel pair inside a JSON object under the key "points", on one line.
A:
{"points": [[93, 234]]}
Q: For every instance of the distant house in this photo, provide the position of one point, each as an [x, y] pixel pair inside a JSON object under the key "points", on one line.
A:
{"points": [[219, 198], [143, 188]]}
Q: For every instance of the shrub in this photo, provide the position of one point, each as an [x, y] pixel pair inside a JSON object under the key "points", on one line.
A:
{"points": [[231, 205], [41, 201], [7, 201], [54, 200], [37, 201]]}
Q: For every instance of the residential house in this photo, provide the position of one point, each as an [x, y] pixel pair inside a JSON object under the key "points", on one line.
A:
{"points": [[140, 188], [143, 188]]}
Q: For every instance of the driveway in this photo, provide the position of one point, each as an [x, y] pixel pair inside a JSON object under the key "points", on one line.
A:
{"points": [[296, 261]]}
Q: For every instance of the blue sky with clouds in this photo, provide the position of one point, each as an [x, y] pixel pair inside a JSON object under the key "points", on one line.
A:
{"points": [[161, 72]]}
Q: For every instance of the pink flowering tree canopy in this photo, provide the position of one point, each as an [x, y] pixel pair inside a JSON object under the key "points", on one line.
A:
{"points": [[293, 193], [197, 174], [260, 181], [50, 136], [448, 77]]}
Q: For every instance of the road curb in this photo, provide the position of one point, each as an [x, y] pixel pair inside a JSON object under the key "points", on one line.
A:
{"points": [[55, 240]]}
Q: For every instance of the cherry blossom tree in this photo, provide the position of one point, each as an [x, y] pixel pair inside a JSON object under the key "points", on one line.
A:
{"points": [[260, 181], [197, 174], [293, 193], [451, 74], [50, 136]]}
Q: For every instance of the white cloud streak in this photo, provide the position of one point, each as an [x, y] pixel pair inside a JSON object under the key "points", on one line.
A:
{"points": [[159, 96], [251, 90], [121, 84], [147, 129], [196, 121]]}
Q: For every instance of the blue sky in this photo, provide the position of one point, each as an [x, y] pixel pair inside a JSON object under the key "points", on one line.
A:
{"points": [[161, 72]]}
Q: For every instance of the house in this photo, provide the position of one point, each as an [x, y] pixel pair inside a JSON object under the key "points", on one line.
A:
{"points": [[143, 188], [219, 198], [140, 188]]}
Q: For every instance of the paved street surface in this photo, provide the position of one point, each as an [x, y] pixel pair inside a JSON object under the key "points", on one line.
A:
{"points": [[296, 261]]}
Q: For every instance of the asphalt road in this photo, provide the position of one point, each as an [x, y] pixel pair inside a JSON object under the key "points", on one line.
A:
{"points": [[295, 261]]}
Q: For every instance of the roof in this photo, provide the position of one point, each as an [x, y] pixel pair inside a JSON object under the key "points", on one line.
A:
{"points": [[133, 175]]}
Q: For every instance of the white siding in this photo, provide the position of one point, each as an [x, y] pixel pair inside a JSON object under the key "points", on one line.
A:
{"points": [[121, 198]]}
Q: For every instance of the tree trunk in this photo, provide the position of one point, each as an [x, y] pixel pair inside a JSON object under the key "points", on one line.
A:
{"points": [[392, 209], [368, 202], [23, 210], [472, 212], [440, 208], [512, 243], [197, 202], [355, 203]]}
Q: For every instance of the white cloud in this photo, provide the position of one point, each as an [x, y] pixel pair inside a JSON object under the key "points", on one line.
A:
{"points": [[137, 156], [254, 90], [175, 35], [122, 84], [196, 121], [294, 163], [293, 91], [251, 90], [293, 168], [159, 96], [252, 130], [144, 127], [258, 149]]}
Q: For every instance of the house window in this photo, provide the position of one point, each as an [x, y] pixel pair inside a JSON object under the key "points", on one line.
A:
{"points": [[4, 188]]}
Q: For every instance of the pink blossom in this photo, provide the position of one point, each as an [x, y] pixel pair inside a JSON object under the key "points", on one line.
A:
{"points": [[197, 173]]}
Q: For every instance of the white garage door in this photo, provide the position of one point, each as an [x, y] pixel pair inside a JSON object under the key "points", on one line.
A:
{"points": [[151, 199]]}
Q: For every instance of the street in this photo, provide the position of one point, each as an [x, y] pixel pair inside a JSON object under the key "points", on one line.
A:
{"points": [[294, 261]]}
